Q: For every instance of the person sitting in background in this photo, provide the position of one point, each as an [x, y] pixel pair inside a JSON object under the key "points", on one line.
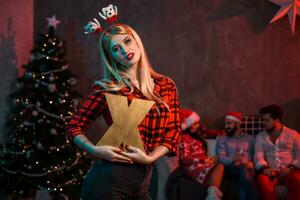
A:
{"points": [[197, 166], [277, 156], [202, 130], [235, 150]]}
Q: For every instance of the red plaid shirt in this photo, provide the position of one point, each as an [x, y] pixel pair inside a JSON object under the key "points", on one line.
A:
{"points": [[155, 129]]}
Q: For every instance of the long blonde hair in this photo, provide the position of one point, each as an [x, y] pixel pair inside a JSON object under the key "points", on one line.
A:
{"points": [[113, 69]]}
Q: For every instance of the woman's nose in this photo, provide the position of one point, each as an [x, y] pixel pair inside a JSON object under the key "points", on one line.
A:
{"points": [[124, 50]]}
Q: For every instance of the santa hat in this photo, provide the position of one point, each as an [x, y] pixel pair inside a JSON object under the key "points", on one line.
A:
{"points": [[188, 118], [234, 116]]}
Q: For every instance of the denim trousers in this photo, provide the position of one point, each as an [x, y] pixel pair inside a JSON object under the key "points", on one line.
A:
{"points": [[245, 180]]}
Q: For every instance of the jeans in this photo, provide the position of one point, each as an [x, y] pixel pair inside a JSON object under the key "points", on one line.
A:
{"points": [[245, 181]]}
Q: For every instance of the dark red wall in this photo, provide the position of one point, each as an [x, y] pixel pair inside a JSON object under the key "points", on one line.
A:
{"points": [[222, 54]]}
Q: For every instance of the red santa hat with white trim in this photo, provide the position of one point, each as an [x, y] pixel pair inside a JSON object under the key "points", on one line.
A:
{"points": [[234, 116], [188, 118]]}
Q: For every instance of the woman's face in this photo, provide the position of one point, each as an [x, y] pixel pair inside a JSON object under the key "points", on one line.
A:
{"points": [[195, 127], [125, 49]]}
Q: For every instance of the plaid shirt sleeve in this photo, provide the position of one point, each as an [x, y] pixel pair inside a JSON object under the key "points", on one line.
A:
{"points": [[86, 114], [173, 130]]}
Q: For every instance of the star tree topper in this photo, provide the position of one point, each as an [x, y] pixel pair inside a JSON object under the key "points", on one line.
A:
{"points": [[288, 7], [53, 21]]}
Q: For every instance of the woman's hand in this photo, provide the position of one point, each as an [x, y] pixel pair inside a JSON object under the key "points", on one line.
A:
{"points": [[210, 160], [137, 155], [284, 172], [110, 153], [103, 152], [237, 159], [270, 172], [249, 165]]}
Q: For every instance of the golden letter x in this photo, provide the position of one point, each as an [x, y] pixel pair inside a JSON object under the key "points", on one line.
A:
{"points": [[124, 130]]}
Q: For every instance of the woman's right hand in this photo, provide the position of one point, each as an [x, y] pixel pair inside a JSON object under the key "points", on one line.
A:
{"points": [[270, 172], [211, 160], [110, 153]]}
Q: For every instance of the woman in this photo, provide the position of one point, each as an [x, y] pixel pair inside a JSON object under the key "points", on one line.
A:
{"points": [[196, 164], [126, 174]]}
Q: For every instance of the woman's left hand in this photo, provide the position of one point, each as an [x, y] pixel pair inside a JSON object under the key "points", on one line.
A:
{"points": [[250, 165], [137, 155]]}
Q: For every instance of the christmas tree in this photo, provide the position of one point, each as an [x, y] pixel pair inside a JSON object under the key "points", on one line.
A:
{"points": [[37, 154]]}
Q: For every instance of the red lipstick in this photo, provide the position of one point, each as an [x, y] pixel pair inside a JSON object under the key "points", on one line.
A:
{"points": [[129, 56]]}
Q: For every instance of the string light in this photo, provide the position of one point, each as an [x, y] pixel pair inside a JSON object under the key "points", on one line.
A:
{"points": [[48, 72]]}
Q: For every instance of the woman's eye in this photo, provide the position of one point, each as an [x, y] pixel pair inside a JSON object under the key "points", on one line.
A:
{"points": [[115, 49], [127, 41]]}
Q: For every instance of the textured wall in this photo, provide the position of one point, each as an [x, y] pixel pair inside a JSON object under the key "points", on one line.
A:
{"points": [[16, 35], [222, 54]]}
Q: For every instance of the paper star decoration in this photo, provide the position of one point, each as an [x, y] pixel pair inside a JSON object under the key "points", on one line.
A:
{"points": [[53, 21], [288, 7]]}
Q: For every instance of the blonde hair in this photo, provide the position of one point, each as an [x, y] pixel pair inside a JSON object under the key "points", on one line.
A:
{"points": [[113, 69]]}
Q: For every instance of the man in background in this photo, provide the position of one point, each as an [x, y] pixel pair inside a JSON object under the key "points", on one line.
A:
{"points": [[235, 150], [277, 156]]}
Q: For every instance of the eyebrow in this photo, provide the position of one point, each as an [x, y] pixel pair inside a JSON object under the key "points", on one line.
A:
{"points": [[122, 41]]}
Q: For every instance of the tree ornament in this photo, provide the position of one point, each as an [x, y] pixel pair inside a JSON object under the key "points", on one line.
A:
{"points": [[72, 81], [51, 78], [53, 131], [19, 85], [52, 87], [43, 68], [39, 146], [35, 113]]}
